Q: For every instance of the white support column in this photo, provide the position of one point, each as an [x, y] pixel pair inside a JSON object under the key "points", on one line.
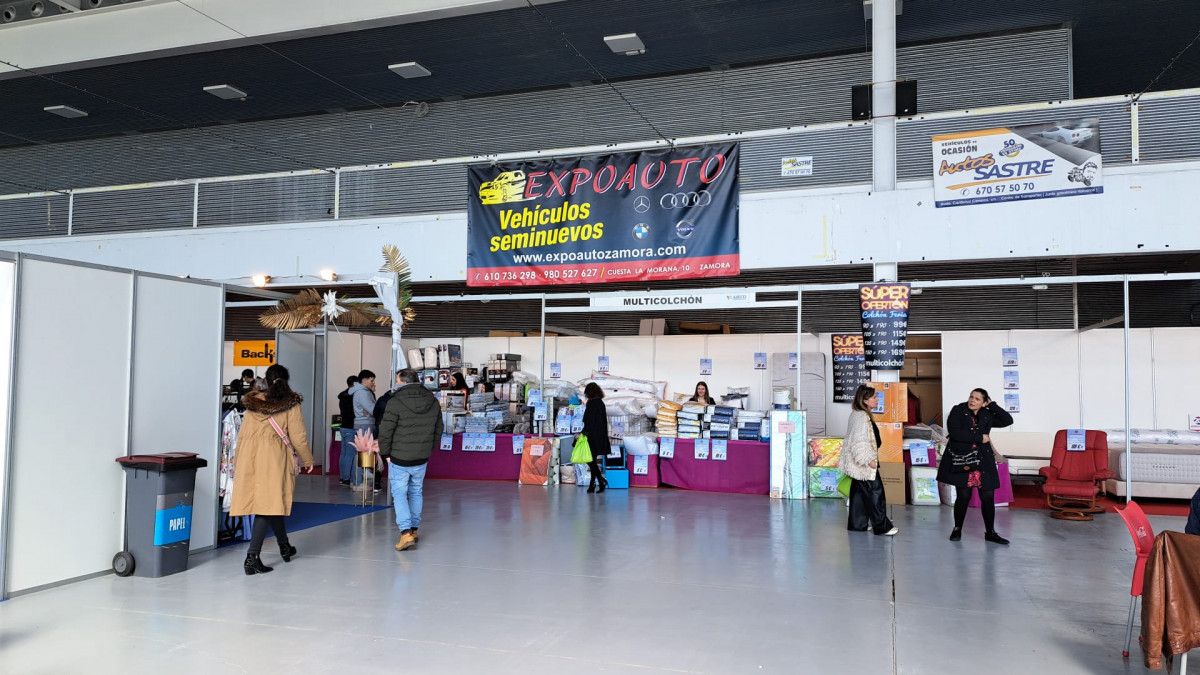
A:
{"points": [[1128, 442], [883, 93], [886, 272], [337, 194]]}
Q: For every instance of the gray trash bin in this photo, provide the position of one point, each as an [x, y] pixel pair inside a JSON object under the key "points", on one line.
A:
{"points": [[158, 513]]}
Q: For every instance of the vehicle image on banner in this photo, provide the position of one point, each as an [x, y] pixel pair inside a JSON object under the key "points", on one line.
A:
{"points": [[507, 187], [1068, 136], [1083, 174]]}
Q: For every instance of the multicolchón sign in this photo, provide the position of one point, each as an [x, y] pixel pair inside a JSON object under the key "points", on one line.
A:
{"points": [[1034, 161], [645, 216]]}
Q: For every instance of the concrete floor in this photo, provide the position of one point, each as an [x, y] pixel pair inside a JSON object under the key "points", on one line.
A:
{"points": [[512, 579]]}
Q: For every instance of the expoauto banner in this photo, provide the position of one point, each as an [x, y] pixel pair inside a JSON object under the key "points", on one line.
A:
{"points": [[1034, 161], [644, 216]]}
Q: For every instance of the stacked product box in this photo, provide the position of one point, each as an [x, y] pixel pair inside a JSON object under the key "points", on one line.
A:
{"points": [[690, 420], [449, 356], [666, 421], [823, 472], [501, 366], [750, 424], [890, 414], [718, 422]]}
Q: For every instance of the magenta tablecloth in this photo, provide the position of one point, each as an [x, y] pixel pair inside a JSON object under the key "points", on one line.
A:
{"points": [[746, 471], [499, 465], [650, 479]]}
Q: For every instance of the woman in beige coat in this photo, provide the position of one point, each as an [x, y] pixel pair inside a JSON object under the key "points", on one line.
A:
{"points": [[860, 461], [264, 466]]}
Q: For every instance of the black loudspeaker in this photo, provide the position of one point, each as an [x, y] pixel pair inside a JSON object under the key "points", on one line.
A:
{"points": [[906, 97], [906, 100], [860, 102]]}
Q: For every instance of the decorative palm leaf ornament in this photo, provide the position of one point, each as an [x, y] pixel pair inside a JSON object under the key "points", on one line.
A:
{"points": [[309, 308]]}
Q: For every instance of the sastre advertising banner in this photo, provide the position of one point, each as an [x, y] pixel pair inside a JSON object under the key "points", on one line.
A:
{"points": [[885, 324], [1034, 161], [645, 216]]}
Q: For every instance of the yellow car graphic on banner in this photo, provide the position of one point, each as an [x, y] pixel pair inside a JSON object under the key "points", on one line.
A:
{"points": [[507, 187]]}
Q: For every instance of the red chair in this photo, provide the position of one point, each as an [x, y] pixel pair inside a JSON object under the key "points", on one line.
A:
{"points": [[1143, 539], [1074, 480]]}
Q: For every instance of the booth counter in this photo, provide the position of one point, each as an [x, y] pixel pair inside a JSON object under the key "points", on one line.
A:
{"points": [[501, 464], [746, 469]]}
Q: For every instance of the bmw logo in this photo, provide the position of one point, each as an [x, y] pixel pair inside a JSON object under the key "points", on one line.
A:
{"points": [[641, 231], [685, 228]]}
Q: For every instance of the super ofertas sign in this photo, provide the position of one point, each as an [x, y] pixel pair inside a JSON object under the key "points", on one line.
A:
{"points": [[645, 216]]}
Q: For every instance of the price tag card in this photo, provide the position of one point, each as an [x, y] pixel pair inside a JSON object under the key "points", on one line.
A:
{"points": [[666, 448], [468, 443], [706, 366], [760, 360], [880, 396], [489, 443], [618, 429], [919, 452], [537, 449], [541, 411], [719, 447], [447, 442], [1076, 440], [556, 371], [1012, 403], [792, 361], [1009, 356], [603, 364], [787, 427], [534, 398], [701, 448], [829, 481], [518, 444], [641, 465], [1193, 422], [1012, 379]]}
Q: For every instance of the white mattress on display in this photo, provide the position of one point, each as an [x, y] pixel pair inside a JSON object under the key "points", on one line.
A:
{"points": [[1161, 467]]}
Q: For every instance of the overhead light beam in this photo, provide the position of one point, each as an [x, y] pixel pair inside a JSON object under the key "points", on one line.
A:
{"points": [[65, 111], [409, 70], [226, 92]]}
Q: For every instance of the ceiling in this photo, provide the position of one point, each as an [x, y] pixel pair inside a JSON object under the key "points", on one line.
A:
{"points": [[1119, 47]]}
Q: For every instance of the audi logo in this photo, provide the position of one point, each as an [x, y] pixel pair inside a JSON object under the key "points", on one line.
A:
{"points": [[684, 200]]}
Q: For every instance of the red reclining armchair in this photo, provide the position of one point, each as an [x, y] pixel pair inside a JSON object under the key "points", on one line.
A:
{"points": [[1074, 480]]}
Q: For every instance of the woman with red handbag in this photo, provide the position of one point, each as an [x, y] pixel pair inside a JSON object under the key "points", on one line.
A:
{"points": [[272, 445], [969, 461]]}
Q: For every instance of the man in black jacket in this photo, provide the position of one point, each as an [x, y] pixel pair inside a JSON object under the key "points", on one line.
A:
{"points": [[411, 428], [346, 462]]}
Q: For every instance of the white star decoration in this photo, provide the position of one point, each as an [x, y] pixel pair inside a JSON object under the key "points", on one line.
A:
{"points": [[330, 308]]}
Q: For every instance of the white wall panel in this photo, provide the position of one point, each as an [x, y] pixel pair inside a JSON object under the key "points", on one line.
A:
{"points": [[631, 356], [477, 350], [1102, 373], [1049, 379], [971, 359], [343, 358], [1176, 375], [578, 356], [63, 468], [530, 349], [677, 361], [733, 366], [177, 346], [377, 358], [7, 290]]}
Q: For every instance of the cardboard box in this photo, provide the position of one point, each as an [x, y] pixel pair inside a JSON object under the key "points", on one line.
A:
{"points": [[891, 453], [893, 396], [891, 433], [892, 475], [652, 327], [505, 333]]}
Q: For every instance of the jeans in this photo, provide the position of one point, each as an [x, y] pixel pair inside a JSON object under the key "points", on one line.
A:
{"points": [[347, 463], [408, 482]]}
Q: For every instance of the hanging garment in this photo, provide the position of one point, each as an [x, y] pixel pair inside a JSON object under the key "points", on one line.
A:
{"points": [[231, 425]]}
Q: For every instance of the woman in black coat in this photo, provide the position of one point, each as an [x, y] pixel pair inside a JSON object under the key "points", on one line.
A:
{"points": [[969, 461], [595, 428]]}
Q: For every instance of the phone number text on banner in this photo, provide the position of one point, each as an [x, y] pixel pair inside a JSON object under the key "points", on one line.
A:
{"points": [[1034, 161], [645, 216]]}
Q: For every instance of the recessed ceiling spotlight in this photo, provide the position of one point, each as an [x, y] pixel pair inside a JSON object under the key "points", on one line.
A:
{"points": [[327, 275], [226, 92], [65, 111], [260, 280], [628, 44], [1040, 287], [409, 70]]}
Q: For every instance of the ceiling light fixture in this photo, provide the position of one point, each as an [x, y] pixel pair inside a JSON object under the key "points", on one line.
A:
{"points": [[226, 92], [65, 111], [327, 275], [628, 44], [260, 280], [409, 70], [1040, 287]]}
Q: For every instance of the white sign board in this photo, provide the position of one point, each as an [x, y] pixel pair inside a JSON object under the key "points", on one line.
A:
{"points": [[796, 166], [673, 300]]}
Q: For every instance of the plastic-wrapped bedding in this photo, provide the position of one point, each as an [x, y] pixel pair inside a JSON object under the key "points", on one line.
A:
{"points": [[558, 389], [641, 445], [1153, 437], [615, 383]]}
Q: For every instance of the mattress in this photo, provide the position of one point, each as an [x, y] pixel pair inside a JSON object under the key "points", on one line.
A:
{"points": [[1161, 467]]}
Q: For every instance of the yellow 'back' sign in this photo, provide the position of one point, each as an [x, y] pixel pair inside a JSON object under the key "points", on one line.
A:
{"points": [[254, 353]]}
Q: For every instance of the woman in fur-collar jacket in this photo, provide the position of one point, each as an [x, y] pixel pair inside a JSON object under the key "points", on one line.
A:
{"points": [[265, 469], [860, 461]]}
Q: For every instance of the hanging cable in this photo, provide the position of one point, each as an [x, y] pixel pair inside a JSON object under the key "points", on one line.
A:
{"points": [[1169, 65], [571, 46]]}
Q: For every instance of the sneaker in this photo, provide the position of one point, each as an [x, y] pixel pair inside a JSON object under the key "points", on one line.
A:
{"points": [[344, 482], [407, 541], [378, 490], [956, 534], [995, 539], [890, 533]]}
